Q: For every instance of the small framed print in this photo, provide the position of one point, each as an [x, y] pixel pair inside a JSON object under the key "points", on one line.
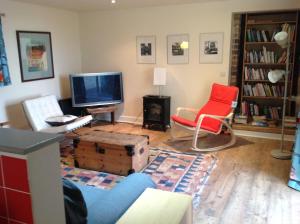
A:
{"points": [[35, 55], [178, 49], [211, 48], [146, 49]]}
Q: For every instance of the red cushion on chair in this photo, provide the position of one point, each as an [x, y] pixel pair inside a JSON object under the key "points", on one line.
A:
{"points": [[183, 121], [209, 124], [213, 108], [223, 94], [220, 103]]}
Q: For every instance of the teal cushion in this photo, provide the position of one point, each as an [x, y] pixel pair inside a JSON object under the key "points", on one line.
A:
{"points": [[107, 206]]}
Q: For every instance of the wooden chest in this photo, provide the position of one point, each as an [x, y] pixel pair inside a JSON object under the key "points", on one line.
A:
{"points": [[112, 152]]}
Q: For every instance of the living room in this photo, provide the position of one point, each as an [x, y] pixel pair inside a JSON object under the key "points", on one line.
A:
{"points": [[99, 37]]}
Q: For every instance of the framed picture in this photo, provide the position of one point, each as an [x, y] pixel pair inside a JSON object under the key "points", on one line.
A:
{"points": [[178, 49], [211, 48], [145, 49], [35, 55]]}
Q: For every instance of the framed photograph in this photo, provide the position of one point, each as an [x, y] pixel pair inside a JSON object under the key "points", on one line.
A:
{"points": [[211, 48], [35, 55], [145, 47], [178, 49]]}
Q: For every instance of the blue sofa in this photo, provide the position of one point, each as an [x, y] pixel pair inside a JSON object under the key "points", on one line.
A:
{"points": [[107, 206]]}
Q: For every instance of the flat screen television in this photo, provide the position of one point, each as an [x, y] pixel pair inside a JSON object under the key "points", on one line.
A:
{"points": [[96, 89]]}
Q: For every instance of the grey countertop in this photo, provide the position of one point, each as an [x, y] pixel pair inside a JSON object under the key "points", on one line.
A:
{"points": [[23, 142]]}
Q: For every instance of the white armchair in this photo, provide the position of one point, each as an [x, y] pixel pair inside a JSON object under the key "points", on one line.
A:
{"points": [[39, 109]]}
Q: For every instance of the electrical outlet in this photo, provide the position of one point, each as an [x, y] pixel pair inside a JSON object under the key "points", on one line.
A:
{"points": [[222, 74]]}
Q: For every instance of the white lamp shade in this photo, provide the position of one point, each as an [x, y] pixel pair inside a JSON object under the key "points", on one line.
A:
{"points": [[275, 75], [160, 77], [281, 39]]}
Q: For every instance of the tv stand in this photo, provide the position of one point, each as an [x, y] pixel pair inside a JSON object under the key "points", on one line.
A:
{"points": [[94, 111]]}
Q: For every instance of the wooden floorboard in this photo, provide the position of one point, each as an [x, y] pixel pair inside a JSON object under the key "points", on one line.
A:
{"points": [[247, 186]]}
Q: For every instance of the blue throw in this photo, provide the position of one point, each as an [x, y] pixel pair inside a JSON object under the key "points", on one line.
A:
{"points": [[107, 206], [294, 181]]}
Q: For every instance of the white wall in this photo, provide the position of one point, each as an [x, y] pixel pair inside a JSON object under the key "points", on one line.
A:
{"points": [[64, 29], [108, 43]]}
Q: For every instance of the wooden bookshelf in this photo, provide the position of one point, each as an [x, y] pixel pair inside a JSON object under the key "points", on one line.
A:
{"points": [[276, 130], [260, 54]]}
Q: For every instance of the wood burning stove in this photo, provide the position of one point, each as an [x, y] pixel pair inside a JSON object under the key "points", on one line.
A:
{"points": [[156, 112]]}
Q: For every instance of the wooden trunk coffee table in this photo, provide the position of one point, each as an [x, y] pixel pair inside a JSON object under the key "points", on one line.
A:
{"points": [[111, 152]]}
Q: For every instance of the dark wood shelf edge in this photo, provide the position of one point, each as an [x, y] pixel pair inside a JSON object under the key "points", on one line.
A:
{"points": [[271, 23], [275, 130], [265, 64], [263, 97]]}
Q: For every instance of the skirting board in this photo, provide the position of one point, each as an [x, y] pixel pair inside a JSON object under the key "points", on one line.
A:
{"points": [[130, 119], [139, 121], [264, 135]]}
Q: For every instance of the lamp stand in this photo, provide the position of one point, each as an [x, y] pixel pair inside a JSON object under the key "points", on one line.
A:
{"points": [[159, 90], [281, 153]]}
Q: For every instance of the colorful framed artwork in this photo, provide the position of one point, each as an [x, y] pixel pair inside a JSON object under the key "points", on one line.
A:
{"points": [[178, 49], [211, 48], [4, 71], [35, 55], [146, 49]]}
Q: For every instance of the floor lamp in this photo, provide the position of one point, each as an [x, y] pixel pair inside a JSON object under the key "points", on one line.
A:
{"points": [[283, 40]]}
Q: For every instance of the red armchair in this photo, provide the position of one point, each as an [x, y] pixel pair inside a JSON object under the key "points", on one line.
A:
{"points": [[211, 117]]}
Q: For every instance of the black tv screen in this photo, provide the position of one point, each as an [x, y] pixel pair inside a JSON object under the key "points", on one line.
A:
{"points": [[93, 89]]}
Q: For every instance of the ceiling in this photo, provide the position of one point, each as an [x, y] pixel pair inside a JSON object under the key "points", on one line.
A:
{"points": [[93, 5]]}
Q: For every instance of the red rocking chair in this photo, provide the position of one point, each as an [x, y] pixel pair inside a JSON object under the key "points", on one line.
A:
{"points": [[211, 117]]}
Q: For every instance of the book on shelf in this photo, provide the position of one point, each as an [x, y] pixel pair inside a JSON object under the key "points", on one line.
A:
{"points": [[240, 119], [255, 73], [282, 58], [290, 125], [263, 90], [261, 35], [290, 29], [262, 56], [290, 119], [259, 118], [260, 123], [254, 35], [290, 122], [260, 112]]}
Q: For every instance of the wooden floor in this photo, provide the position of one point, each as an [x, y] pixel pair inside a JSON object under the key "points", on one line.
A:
{"points": [[247, 186]]}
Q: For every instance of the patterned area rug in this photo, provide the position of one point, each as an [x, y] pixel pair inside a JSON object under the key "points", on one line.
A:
{"points": [[181, 172], [171, 171], [91, 178]]}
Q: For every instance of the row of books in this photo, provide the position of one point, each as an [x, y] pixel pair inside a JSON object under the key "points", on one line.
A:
{"points": [[263, 121], [290, 29], [260, 120], [256, 74], [254, 35], [290, 122], [265, 56], [252, 109], [260, 89], [241, 119]]}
